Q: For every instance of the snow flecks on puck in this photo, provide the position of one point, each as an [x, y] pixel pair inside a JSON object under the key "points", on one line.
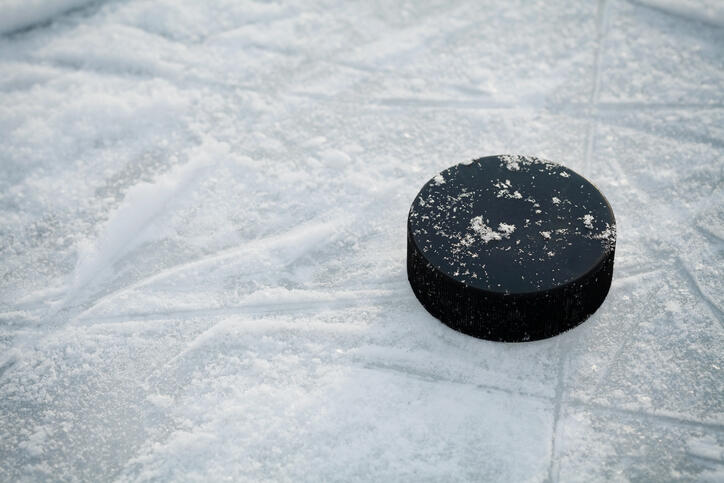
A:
{"points": [[506, 228], [588, 221], [486, 233], [607, 236], [505, 190], [512, 162], [483, 231], [470, 220]]}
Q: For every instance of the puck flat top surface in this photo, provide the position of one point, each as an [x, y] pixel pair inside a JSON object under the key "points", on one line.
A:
{"points": [[512, 225]]}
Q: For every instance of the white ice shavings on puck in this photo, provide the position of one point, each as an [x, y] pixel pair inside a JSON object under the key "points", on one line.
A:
{"points": [[506, 228], [588, 221], [439, 179], [546, 235], [556, 200], [512, 162], [504, 188], [608, 236], [485, 232]]}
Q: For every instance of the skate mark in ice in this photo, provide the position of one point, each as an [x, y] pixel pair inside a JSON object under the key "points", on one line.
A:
{"points": [[713, 18], [314, 307], [696, 290], [634, 106], [8, 362], [15, 317], [639, 415], [340, 57], [358, 67], [601, 30], [108, 70], [628, 334], [286, 247], [23, 17], [332, 301], [694, 137], [634, 275], [140, 27], [112, 70], [424, 103], [705, 458], [711, 237], [291, 245], [604, 108], [558, 405], [418, 373]]}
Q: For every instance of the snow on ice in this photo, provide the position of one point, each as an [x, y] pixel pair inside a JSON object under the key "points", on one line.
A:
{"points": [[202, 239]]}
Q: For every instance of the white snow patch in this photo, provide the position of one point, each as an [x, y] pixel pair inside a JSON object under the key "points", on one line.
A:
{"points": [[439, 179], [335, 158], [673, 306], [160, 400], [588, 221], [132, 223], [35, 444], [314, 142]]}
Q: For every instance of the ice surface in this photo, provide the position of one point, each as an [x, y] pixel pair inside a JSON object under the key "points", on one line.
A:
{"points": [[202, 239]]}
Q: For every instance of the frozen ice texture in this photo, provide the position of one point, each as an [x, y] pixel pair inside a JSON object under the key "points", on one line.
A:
{"points": [[202, 239]]}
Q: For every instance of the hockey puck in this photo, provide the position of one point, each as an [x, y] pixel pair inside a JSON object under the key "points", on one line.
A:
{"points": [[510, 248]]}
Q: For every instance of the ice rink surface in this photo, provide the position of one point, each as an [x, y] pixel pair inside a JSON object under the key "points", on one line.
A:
{"points": [[202, 240]]}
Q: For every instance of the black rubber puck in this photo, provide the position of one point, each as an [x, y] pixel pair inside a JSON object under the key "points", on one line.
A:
{"points": [[510, 248]]}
